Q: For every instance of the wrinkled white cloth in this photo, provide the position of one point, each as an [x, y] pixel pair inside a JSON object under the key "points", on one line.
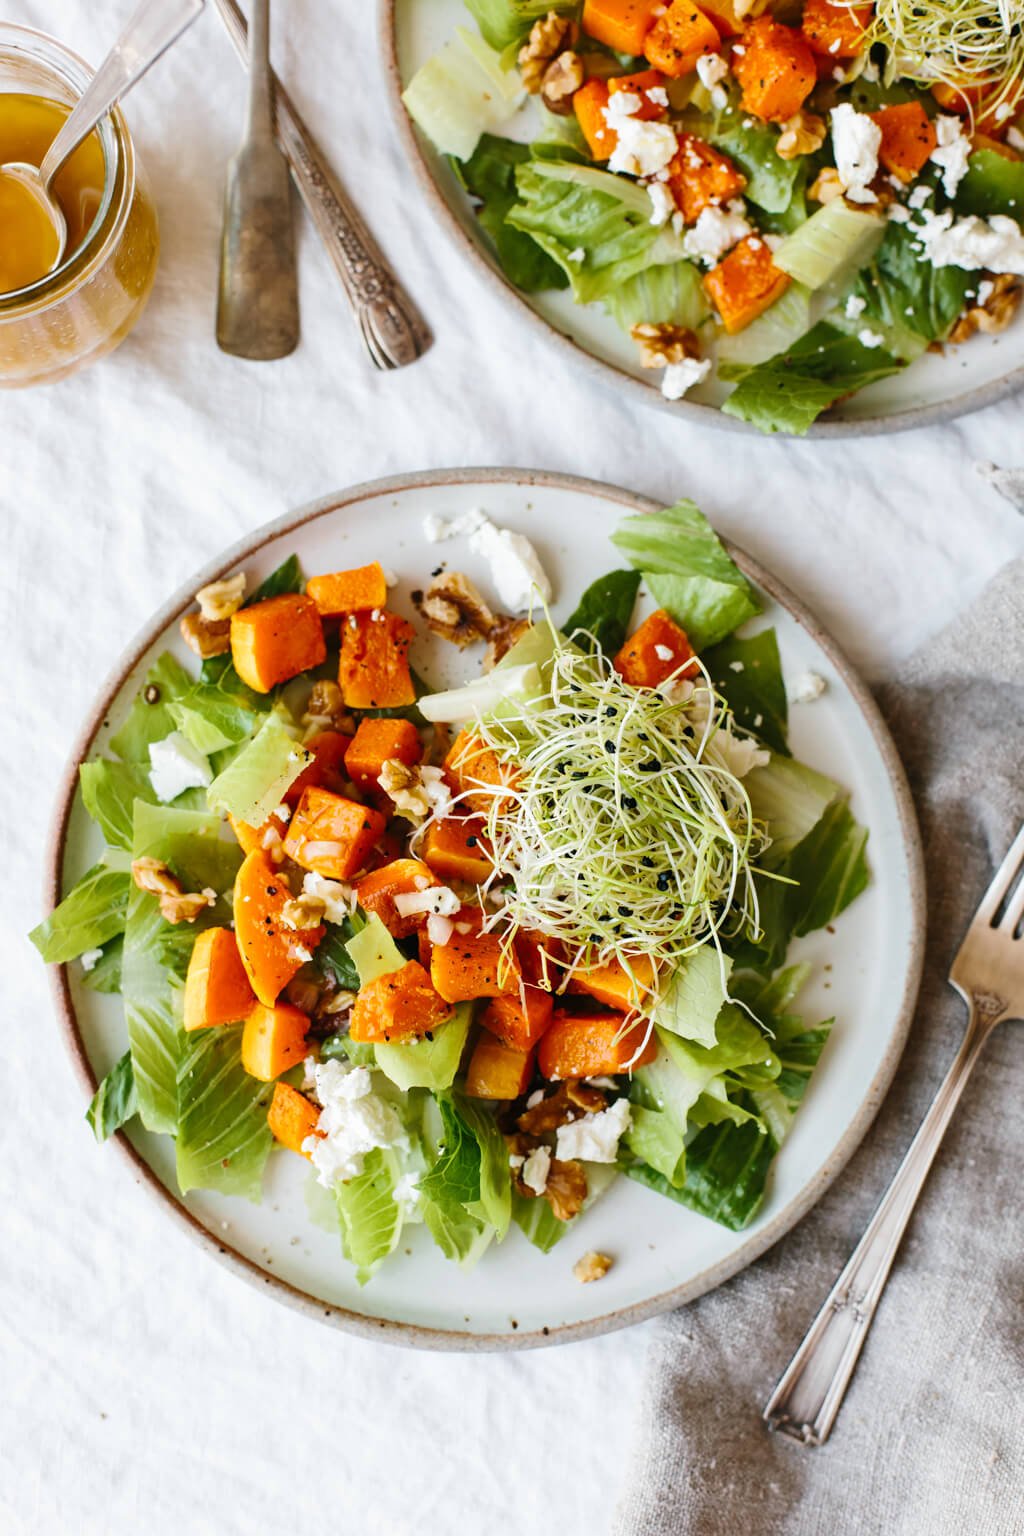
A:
{"points": [[143, 1387]]}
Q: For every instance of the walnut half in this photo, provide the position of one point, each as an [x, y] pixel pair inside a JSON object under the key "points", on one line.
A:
{"points": [[548, 37], [997, 302], [562, 79], [801, 134], [176, 904], [661, 345], [454, 609], [592, 1266], [205, 637]]}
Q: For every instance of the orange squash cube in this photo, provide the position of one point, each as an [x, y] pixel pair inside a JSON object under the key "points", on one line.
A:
{"points": [[376, 892], [622, 25], [724, 14], [593, 1045], [273, 1040], [745, 283], [654, 652], [541, 958], [292, 1118], [700, 176], [835, 31], [474, 965], [217, 989], [589, 103], [332, 835], [271, 952], [519, 1021], [456, 849], [251, 838], [679, 37], [497, 1072], [327, 768], [276, 640], [373, 672], [475, 772], [612, 985], [377, 742], [348, 591], [398, 1006], [908, 138], [775, 68], [641, 84]]}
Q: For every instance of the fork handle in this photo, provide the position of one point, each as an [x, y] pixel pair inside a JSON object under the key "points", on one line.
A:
{"points": [[809, 1394]]}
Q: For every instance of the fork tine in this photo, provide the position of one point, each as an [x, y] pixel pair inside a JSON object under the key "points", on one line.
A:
{"points": [[1014, 911], [1004, 879]]}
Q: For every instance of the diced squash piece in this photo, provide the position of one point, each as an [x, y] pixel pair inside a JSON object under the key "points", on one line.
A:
{"points": [[541, 958], [377, 742], [476, 772], [327, 768], [519, 1021], [389, 846], [679, 37], [622, 25], [270, 951], [273, 1040], [398, 1006], [217, 989], [474, 965], [276, 640], [908, 138], [292, 1118], [612, 984], [640, 84], [456, 849], [745, 283], [997, 146], [376, 892], [700, 176], [466, 920], [775, 69], [332, 835], [835, 31], [654, 652], [963, 100], [348, 591], [589, 103], [726, 15], [258, 837], [373, 672], [497, 1071], [593, 1045]]}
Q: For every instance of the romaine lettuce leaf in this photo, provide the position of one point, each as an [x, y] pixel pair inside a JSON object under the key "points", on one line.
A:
{"points": [[219, 710], [430, 1062], [771, 181], [114, 1102], [604, 612], [726, 1173], [820, 877], [109, 791], [484, 695], [454, 1230], [149, 718], [254, 782], [782, 324], [461, 92], [93, 912], [373, 951], [655, 1139], [105, 975], [908, 301], [748, 675], [371, 1218], [831, 245], [504, 22], [223, 1140], [788, 392], [695, 995], [288, 577], [993, 184], [668, 293], [790, 798], [688, 571], [489, 175], [454, 1176], [333, 959], [495, 1201]]}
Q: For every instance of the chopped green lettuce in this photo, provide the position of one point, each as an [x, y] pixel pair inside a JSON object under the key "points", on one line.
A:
{"points": [[288, 577], [748, 674], [223, 1140], [831, 245], [105, 975], [504, 22], [109, 791], [218, 711], [332, 958], [655, 1138], [114, 1102], [489, 175], [431, 1061], [370, 1217], [818, 879], [484, 694], [907, 301], [461, 92], [495, 1201], [668, 293], [726, 1173], [790, 798], [604, 611], [789, 392], [149, 718], [374, 952], [993, 184], [694, 996], [93, 912], [782, 324], [253, 783], [771, 181]]}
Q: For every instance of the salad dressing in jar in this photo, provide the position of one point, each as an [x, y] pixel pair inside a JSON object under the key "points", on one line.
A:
{"points": [[28, 241]]}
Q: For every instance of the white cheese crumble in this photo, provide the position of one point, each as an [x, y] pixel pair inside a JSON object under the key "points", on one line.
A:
{"points": [[353, 1121], [594, 1138], [996, 243], [1015, 138], [642, 148], [577, 255], [856, 140], [951, 153], [535, 1170], [679, 377], [516, 571], [739, 755], [416, 792], [439, 929], [338, 897], [406, 1192], [664, 652], [176, 765], [711, 71], [715, 232], [439, 899], [855, 306], [662, 202], [920, 196], [805, 688], [90, 958], [869, 338]]}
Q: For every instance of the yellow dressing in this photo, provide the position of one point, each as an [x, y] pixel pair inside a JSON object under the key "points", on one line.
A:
{"points": [[28, 126]]}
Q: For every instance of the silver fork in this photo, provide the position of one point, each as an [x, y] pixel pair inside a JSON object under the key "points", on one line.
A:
{"points": [[988, 973]]}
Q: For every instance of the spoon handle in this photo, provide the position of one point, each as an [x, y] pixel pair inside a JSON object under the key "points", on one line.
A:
{"points": [[392, 329], [154, 26]]}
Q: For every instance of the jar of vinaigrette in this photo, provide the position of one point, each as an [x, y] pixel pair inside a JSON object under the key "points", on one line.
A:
{"points": [[53, 323]]}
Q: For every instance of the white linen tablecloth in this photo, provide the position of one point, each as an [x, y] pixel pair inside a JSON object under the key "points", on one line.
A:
{"points": [[143, 1388]]}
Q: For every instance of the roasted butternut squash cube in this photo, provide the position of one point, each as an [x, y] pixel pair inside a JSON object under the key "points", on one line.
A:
{"points": [[519, 1020], [654, 652], [398, 1007], [679, 37], [593, 1045], [612, 984], [745, 283], [292, 1118], [908, 138], [835, 31], [250, 838], [542, 959], [271, 951], [622, 25], [642, 84], [349, 591], [326, 769], [775, 68], [377, 742], [277, 639], [474, 965], [476, 773], [376, 892], [700, 177], [456, 848], [589, 103], [497, 1071], [332, 835], [273, 1040], [217, 989], [373, 671]]}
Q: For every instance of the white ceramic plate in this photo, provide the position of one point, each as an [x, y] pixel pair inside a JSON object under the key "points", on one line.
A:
{"points": [[935, 388], [866, 972]]}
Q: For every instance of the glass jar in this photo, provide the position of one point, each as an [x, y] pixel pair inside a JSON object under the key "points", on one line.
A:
{"points": [[90, 302]]}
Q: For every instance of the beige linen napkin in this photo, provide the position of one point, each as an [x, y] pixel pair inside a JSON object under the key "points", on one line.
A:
{"points": [[931, 1436]]}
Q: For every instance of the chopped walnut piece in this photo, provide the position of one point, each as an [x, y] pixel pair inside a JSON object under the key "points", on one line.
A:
{"points": [[802, 134], [662, 345], [548, 37], [220, 599], [502, 638], [570, 1100], [826, 187], [566, 1189], [325, 709], [204, 638], [302, 912], [991, 313], [454, 609], [176, 905], [562, 79], [592, 1266]]}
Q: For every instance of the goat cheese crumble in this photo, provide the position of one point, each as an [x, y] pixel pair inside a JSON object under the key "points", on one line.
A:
{"points": [[642, 148], [716, 231], [856, 139], [353, 1121], [679, 377], [90, 958], [594, 1138], [996, 243], [805, 688], [515, 566], [535, 1170], [951, 153], [176, 765], [711, 71]]}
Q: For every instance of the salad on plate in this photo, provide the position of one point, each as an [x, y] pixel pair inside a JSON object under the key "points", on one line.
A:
{"points": [[473, 953], [780, 202]]}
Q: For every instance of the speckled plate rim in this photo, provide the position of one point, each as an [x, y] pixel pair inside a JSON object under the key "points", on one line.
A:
{"points": [[608, 373], [415, 1335]]}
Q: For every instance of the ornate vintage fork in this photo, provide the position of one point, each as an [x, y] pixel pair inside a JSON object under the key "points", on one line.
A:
{"points": [[988, 973]]}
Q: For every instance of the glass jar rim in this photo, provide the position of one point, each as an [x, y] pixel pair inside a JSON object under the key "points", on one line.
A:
{"points": [[72, 72]]}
